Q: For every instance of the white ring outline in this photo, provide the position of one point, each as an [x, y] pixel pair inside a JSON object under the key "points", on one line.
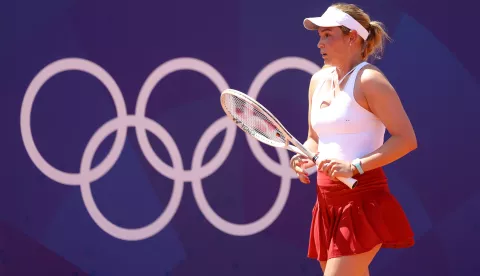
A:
{"points": [[153, 79], [175, 199], [26, 111]]}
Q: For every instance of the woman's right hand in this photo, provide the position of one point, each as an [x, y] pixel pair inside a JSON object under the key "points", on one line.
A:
{"points": [[300, 164]]}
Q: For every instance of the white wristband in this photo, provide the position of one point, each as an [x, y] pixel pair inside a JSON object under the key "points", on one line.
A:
{"points": [[356, 162]]}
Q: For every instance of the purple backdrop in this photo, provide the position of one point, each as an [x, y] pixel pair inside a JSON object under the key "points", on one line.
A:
{"points": [[174, 188]]}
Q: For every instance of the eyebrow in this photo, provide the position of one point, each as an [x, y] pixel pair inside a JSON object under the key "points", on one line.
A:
{"points": [[325, 30]]}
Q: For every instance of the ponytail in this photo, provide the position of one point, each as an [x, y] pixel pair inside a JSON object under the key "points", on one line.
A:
{"points": [[375, 43]]}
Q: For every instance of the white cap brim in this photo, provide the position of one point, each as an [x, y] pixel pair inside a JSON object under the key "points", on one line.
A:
{"points": [[334, 17], [314, 23]]}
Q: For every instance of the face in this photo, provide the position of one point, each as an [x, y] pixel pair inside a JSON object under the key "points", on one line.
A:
{"points": [[334, 45]]}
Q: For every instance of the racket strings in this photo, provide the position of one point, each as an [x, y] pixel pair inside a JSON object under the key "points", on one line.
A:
{"points": [[253, 120]]}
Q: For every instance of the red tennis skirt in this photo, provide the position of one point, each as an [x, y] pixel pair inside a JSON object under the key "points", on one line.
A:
{"points": [[352, 221]]}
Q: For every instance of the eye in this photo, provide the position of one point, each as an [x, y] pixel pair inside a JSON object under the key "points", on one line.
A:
{"points": [[325, 35]]}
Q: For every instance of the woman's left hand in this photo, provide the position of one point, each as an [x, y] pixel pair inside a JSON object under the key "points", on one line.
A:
{"points": [[336, 168]]}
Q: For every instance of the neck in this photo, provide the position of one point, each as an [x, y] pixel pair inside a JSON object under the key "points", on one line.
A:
{"points": [[345, 67]]}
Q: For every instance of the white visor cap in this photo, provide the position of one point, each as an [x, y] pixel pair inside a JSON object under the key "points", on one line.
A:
{"points": [[334, 17]]}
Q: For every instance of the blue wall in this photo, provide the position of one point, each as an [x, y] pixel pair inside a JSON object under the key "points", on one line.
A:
{"points": [[82, 194]]}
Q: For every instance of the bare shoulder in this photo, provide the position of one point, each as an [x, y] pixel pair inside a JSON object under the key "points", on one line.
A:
{"points": [[382, 98], [374, 83]]}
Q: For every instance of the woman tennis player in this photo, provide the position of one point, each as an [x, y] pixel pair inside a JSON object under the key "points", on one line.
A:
{"points": [[351, 104]]}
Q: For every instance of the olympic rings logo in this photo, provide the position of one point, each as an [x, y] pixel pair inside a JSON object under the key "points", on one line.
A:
{"points": [[176, 172]]}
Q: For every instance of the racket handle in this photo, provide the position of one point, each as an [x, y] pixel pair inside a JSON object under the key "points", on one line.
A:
{"points": [[350, 182]]}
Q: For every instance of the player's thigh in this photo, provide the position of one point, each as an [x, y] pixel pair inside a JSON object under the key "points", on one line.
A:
{"points": [[324, 264], [355, 265]]}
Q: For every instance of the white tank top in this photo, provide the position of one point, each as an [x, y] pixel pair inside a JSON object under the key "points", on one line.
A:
{"points": [[345, 129]]}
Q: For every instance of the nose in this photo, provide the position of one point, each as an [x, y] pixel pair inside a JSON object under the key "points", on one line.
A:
{"points": [[320, 44]]}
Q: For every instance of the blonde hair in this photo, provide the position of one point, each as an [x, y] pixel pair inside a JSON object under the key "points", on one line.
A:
{"points": [[375, 44]]}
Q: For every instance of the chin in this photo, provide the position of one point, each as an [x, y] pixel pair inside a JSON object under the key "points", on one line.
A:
{"points": [[330, 62], [326, 61]]}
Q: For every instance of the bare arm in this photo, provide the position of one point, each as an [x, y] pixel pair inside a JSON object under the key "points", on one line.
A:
{"points": [[385, 103]]}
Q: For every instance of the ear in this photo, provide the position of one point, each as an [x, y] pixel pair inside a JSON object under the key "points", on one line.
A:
{"points": [[353, 36]]}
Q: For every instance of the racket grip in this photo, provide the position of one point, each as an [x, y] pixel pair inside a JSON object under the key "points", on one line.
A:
{"points": [[350, 182]]}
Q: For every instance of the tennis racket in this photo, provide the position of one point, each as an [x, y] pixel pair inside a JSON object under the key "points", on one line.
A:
{"points": [[253, 118]]}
